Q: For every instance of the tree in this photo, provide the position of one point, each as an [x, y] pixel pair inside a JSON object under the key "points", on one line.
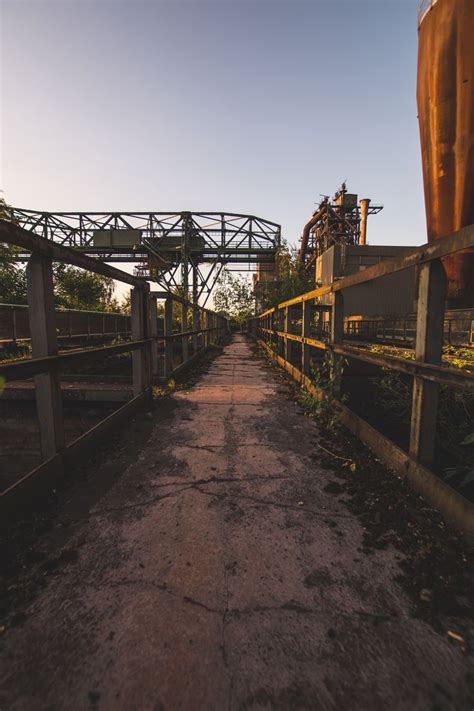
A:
{"points": [[234, 297], [292, 279], [78, 289], [12, 276]]}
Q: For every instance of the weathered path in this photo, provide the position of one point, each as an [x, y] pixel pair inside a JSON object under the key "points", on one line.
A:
{"points": [[217, 573]]}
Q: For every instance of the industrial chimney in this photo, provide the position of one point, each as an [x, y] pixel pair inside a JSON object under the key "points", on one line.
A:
{"points": [[364, 211]]}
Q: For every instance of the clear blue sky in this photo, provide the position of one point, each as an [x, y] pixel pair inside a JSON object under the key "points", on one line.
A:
{"points": [[230, 105]]}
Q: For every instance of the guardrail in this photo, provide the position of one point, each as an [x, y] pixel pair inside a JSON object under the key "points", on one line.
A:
{"points": [[288, 328], [46, 362], [71, 324], [402, 331]]}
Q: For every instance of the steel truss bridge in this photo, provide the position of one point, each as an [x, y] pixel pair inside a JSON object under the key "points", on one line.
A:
{"points": [[185, 250]]}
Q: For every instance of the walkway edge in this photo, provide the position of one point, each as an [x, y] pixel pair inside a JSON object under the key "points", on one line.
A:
{"points": [[458, 511], [30, 490]]}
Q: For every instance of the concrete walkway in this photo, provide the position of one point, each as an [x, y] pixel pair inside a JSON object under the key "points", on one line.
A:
{"points": [[217, 573]]}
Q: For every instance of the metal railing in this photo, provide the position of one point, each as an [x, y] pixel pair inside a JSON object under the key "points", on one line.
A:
{"points": [[402, 331], [71, 324], [46, 362], [287, 331]]}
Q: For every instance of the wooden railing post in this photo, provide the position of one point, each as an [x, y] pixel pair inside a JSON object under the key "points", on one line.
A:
{"points": [[153, 335], [336, 336], [184, 328], [140, 330], [39, 273], [428, 349], [168, 330], [306, 333]]}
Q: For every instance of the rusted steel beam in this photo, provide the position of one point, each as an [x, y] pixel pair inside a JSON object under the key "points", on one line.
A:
{"points": [[12, 234]]}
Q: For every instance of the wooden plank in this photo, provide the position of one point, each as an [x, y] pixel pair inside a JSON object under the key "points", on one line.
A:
{"points": [[42, 318], [428, 349]]}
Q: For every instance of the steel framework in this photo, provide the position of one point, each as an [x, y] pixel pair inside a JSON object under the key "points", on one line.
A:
{"points": [[182, 249]]}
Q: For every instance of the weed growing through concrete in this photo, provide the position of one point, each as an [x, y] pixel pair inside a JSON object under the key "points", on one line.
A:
{"points": [[326, 377]]}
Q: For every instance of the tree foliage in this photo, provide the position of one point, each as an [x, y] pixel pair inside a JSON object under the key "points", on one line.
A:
{"points": [[234, 297], [12, 276], [78, 289], [292, 279]]}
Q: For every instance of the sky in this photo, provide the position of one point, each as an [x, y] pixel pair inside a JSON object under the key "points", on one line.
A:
{"points": [[213, 105]]}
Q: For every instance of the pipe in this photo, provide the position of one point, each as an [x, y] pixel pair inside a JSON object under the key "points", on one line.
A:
{"points": [[307, 229], [364, 211]]}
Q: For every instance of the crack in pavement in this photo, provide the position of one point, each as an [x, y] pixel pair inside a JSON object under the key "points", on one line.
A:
{"points": [[266, 502]]}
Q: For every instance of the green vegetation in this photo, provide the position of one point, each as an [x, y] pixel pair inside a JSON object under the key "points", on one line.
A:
{"points": [[325, 376], [292, 279], [233, 297]]}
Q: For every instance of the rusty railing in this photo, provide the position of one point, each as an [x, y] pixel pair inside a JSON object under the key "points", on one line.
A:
{"points": [[178, 344], [286, 331]]}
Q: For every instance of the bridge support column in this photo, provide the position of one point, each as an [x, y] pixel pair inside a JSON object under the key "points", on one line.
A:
{"points": [[428, 349], [140, 330], [168, 330], [42, 317]]}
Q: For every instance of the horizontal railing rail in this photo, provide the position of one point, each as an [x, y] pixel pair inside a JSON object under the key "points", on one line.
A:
{"points": [[287, 330], [155, 352], [71, 324]]}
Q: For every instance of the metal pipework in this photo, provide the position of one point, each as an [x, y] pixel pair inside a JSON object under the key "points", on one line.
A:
{"points": [[364, 211], [307, 229]]}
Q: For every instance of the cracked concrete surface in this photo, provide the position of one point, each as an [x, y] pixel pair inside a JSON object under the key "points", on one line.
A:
{"points": [[216, 573]]}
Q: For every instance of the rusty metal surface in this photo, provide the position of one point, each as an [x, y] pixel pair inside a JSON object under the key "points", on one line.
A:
{"points": [[445, 94]]}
